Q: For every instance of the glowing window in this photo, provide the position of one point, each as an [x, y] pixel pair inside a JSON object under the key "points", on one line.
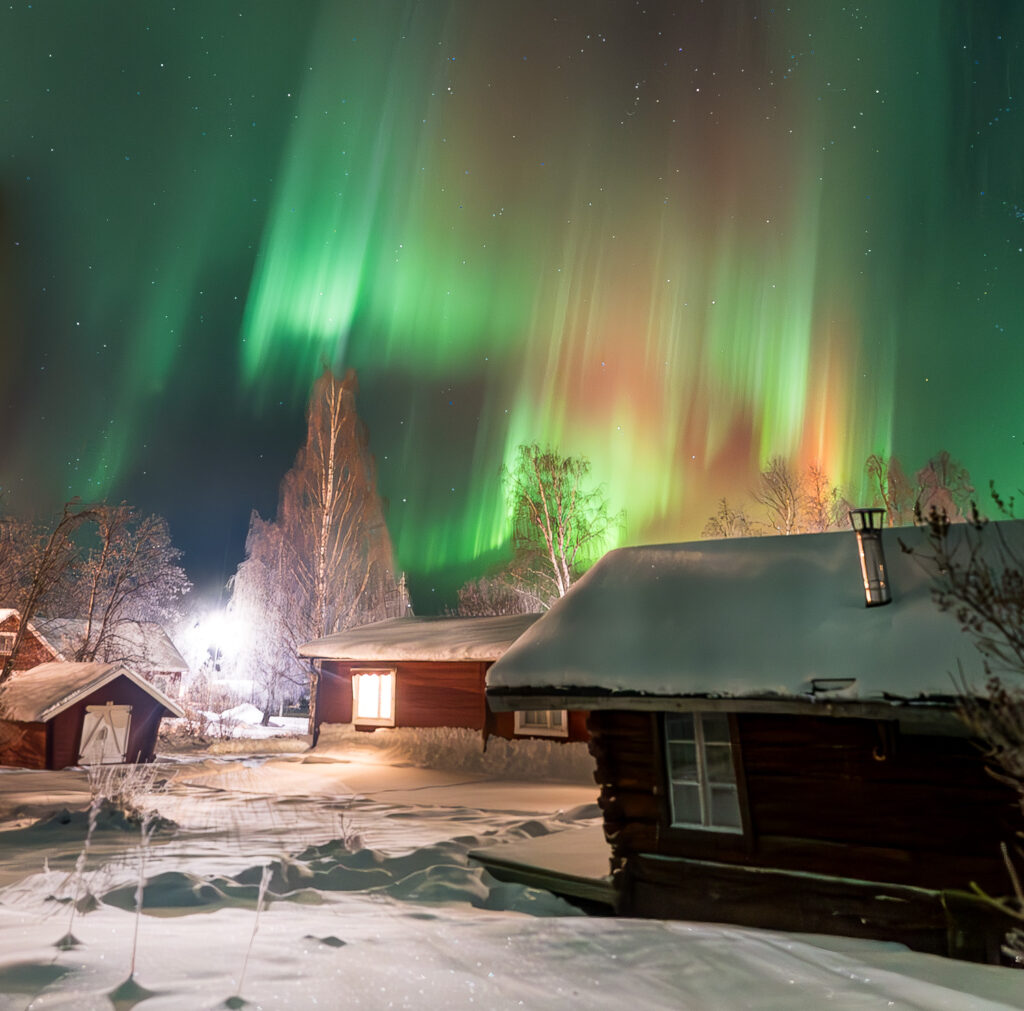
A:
{"points": [[373, 698], [702, 776], [542, 722]]}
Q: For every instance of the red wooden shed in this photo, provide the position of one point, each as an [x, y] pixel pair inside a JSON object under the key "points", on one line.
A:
{"points": [[427, 672], [60, 714]]}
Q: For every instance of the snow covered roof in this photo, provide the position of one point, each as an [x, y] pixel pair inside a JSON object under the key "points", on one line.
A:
{"points": [[427, 638], [747, 618], [39, 694], [145, 640]]}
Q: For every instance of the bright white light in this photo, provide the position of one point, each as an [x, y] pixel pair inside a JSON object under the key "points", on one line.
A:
{"points": [[223, 632]]}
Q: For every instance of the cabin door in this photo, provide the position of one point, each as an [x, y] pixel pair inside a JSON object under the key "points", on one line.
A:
{"points": [[105, 734]]}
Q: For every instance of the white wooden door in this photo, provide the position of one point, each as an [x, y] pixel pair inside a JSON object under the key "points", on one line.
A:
{"points": [[105, 734]]}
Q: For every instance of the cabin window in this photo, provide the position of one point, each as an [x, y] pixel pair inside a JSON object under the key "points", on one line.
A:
{"points": [[7, 643], [542, 722], [701, 772], [373, 698]]}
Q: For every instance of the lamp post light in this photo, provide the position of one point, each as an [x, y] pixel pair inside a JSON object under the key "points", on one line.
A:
{"points": [[867, 524]]}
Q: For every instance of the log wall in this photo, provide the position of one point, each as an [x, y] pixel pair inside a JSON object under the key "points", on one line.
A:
{"points": [[839, 798]]}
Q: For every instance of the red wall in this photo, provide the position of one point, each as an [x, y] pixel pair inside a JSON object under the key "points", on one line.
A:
{"points": [[64, 731], [428, 694], [32, 652], [23, 744]]}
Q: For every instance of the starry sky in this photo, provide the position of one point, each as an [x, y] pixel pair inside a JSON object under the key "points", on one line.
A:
{"points": [[678, 238]]}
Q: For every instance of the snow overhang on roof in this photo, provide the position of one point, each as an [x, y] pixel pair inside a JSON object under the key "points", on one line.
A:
{"points": [[425, 639], [40, 694], [771, 618]]}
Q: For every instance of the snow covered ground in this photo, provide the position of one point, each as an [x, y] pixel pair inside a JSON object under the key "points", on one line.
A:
{"points": [[341, 880]]}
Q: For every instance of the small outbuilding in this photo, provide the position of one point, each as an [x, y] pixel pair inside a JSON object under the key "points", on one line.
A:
{"points": [[427, 672], [771, 751], [60, 714]]}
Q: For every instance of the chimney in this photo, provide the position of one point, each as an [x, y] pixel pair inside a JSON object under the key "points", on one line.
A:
{"points": [[867, 524]]}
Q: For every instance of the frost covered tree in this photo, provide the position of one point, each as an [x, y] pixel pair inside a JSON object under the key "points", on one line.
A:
{"points": [[728, 522], [792, 502], [496, 595], [779, 491], [891, 489], [40, 567], [107, 566], [560, 524], [326, 562], [128, 573], [943, 485]]}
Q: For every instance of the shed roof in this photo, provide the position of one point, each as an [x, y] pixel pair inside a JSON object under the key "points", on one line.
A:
{"points": [[768, 618], [145, 642], [426, 638], [40, 694]]}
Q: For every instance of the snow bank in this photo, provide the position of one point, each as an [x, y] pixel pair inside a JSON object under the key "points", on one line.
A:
{"points": [[456, 749]]}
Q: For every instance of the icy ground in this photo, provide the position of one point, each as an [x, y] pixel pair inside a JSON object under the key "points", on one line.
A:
{"points": [[306, 881]]}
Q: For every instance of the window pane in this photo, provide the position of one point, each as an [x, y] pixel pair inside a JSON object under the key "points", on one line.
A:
{"points": [[716, 727], [682, 759], [384, 687], [725, 807], [718, 761], [686, 805], [679, 727], [367, 696], [555, 718]]}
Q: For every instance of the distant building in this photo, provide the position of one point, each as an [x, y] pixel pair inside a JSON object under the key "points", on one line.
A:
{"points": [[770, 750], [34, 648], [60, 714], [427, 672], [142, 645]]}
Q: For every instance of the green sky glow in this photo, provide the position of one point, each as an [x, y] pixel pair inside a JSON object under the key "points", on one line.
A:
{"points": [[678, 242]]}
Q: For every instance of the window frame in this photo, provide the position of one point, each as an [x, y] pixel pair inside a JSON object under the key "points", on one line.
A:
{"points": [[703, 783], [521, 727], [9, 638], [373, 721]]}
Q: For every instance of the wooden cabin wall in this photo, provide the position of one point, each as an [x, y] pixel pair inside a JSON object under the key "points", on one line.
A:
{"points": [[440, 694], [426, 694], [334, 698], [910, 808], [23, 744], [32, 651], [842, 798], [65, 729]]}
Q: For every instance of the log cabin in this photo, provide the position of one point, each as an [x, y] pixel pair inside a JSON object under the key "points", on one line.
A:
{"points": [[426, 672], [771, 749], [61, 714]]}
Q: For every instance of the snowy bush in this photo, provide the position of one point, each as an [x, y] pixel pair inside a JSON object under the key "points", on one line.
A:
{"points": [[457, 749]]}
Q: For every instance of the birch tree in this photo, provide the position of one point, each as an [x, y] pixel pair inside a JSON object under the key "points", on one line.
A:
{"points": [[333, 566], [559, 524]]}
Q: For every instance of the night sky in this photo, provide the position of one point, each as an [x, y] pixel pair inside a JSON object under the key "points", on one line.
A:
{"points": [[678, 238]]}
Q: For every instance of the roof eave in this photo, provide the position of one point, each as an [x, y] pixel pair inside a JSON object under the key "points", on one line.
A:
{"points": [[942, 710]]}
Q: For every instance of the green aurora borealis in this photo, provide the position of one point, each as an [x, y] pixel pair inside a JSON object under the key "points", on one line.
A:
{"points": [[678, 239]]}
